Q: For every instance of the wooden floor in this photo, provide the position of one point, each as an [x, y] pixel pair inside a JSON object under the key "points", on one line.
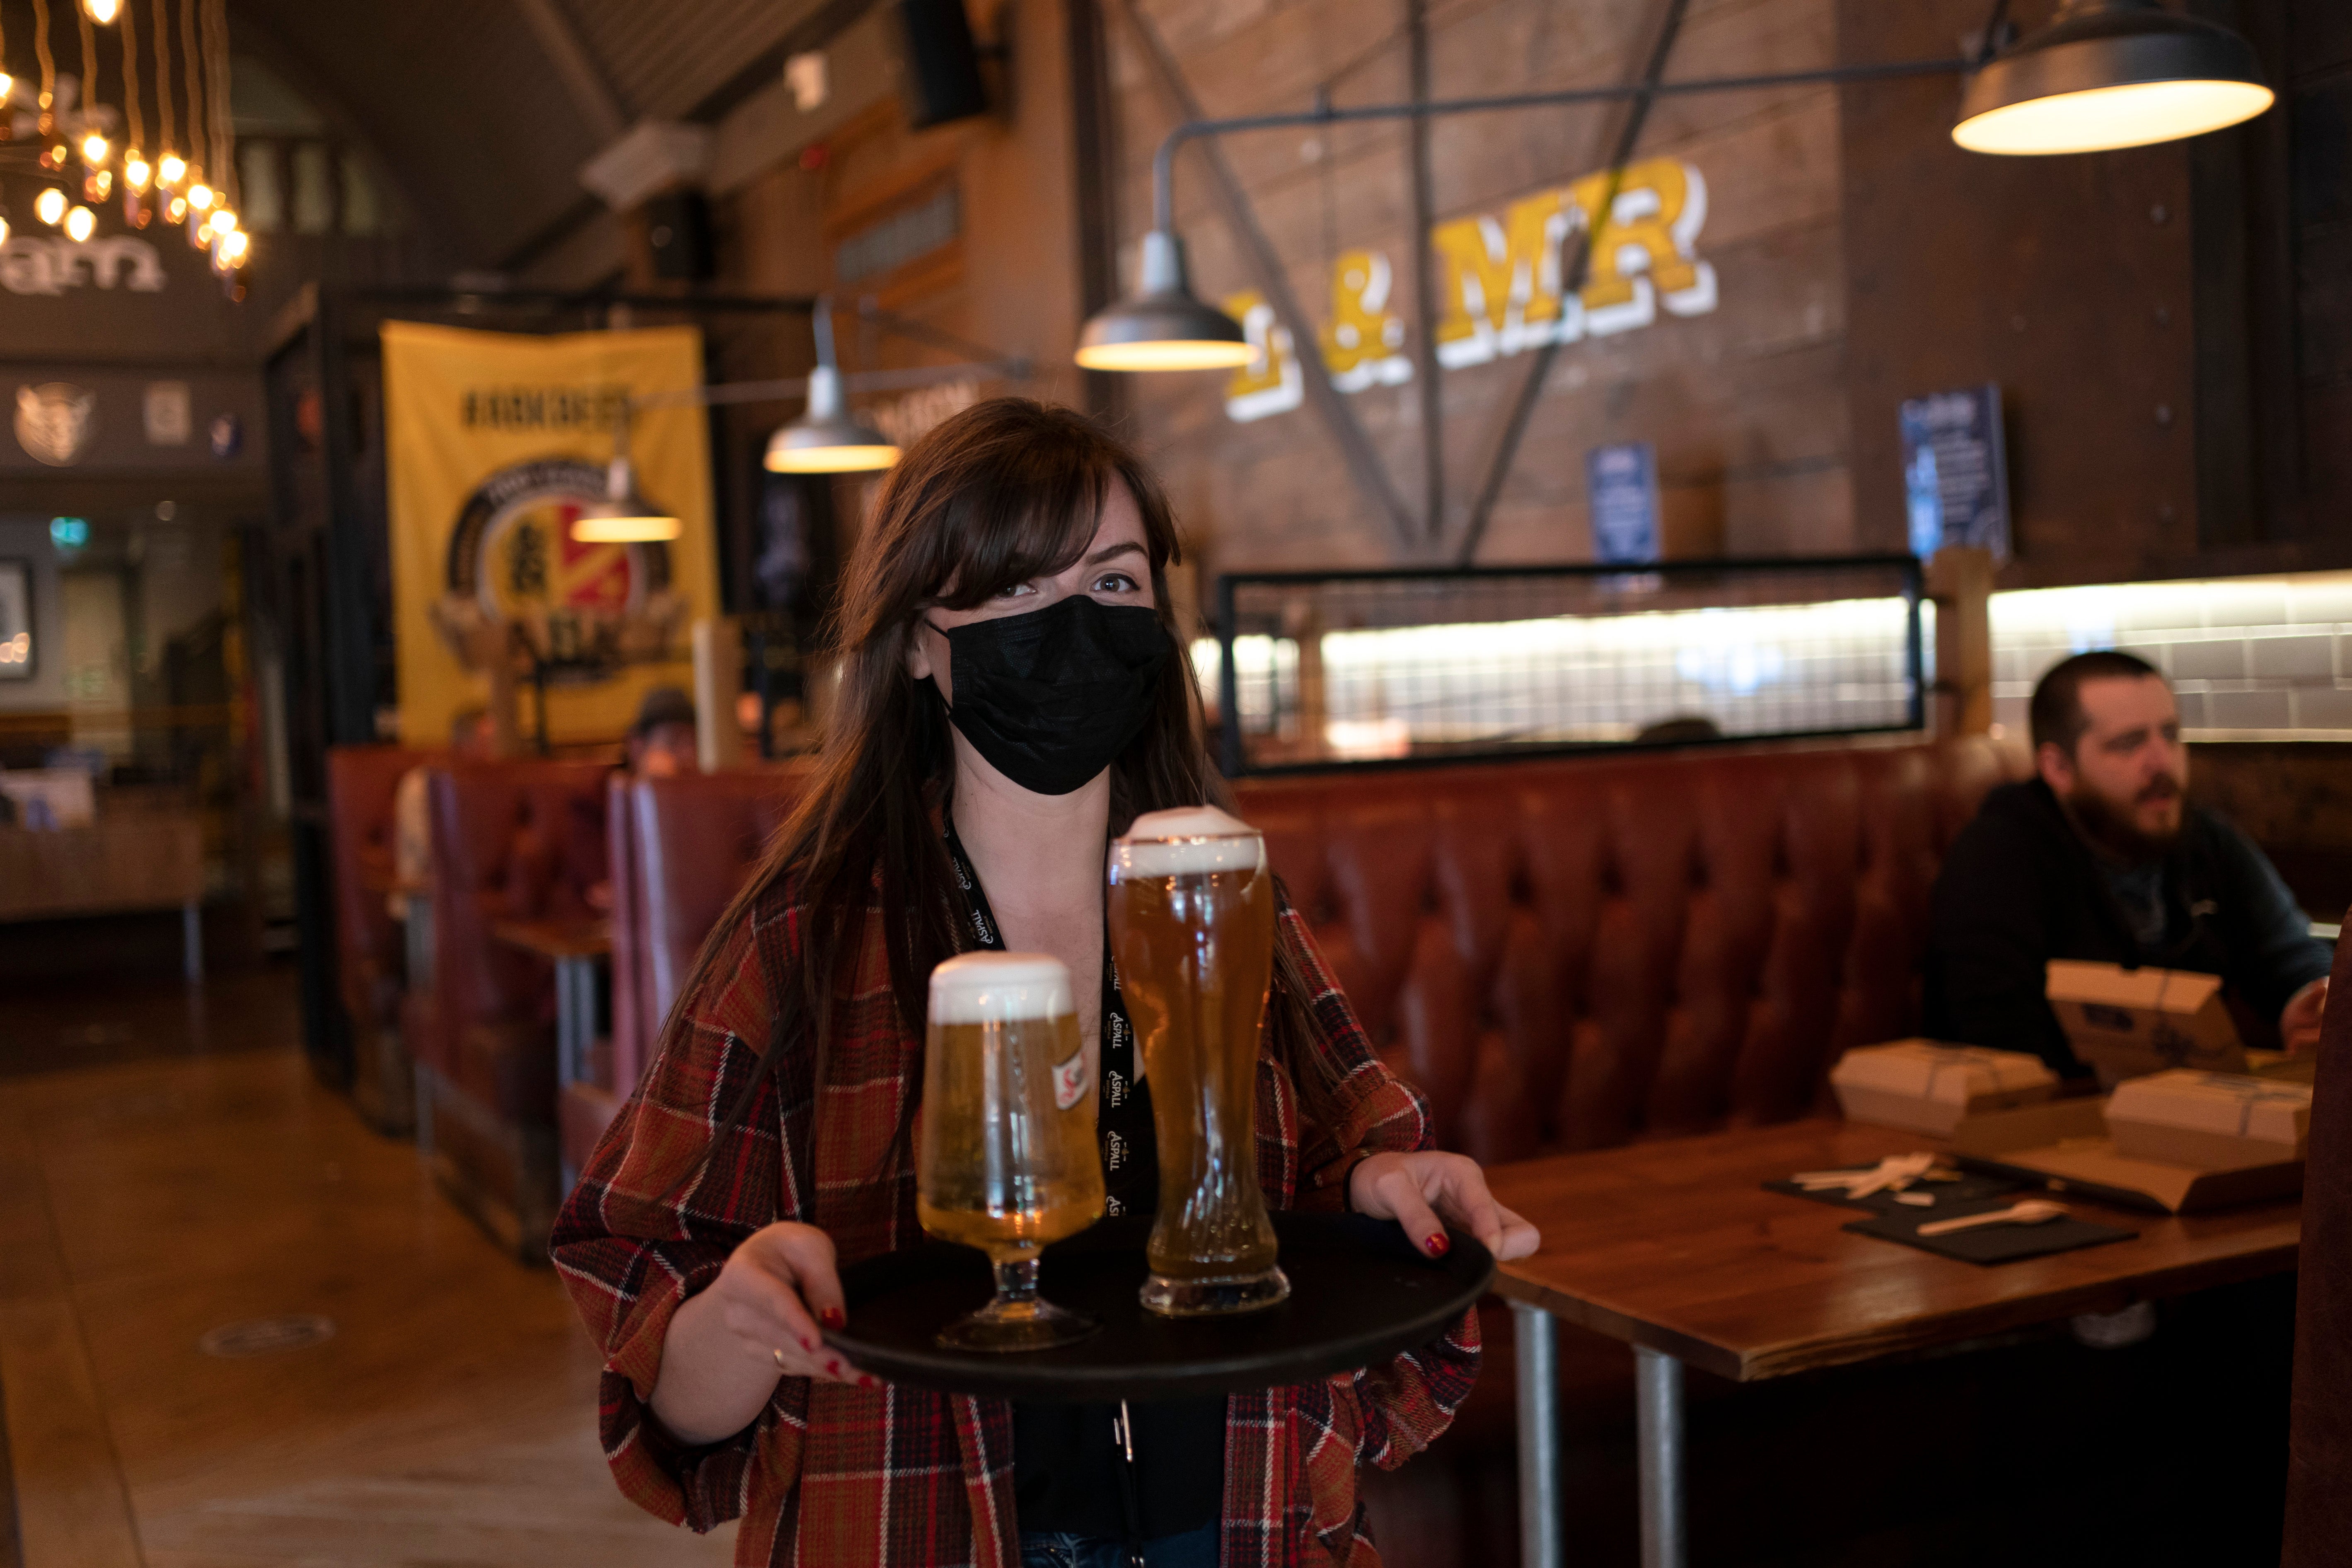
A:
{"points": [[450, 1420]]}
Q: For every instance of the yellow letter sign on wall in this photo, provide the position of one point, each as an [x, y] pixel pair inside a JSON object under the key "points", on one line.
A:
{"points": [[1269, 382], [1500, 286], [1363, 345]]}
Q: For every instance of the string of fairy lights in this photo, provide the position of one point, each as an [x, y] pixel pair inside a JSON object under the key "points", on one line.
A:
{"points": [[84, 153]]}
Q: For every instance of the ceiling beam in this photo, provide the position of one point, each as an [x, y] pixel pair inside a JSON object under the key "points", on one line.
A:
{"points": [[592, 92]]}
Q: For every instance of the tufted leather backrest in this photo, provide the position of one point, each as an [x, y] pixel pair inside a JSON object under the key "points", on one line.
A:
{"points": [[691, 840], [360, 783], [1569, 955], [512, 840]]}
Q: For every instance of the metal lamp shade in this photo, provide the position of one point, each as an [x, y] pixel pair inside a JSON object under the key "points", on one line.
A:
{"points": [[2109, 74], [618, 522], [825, 439], [1165, 326], [622, 517]]}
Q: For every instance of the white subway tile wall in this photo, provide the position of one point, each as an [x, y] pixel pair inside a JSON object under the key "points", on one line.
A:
{"points": [[2269, 654], [1751, 670]]}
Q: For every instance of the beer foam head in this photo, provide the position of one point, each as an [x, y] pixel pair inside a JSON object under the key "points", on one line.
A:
{"points": [[1187, 841], [1000, 988]]}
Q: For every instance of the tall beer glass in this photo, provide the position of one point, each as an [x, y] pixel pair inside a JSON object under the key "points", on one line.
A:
{"points": [[1191, 928], [1007, 1161]]}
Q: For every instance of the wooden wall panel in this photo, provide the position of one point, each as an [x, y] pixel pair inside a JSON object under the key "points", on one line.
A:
{"points": [[1747, 405], [2067, 280]]}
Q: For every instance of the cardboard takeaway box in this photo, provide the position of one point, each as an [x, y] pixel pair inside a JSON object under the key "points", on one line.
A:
{"points": [[2126, 1022], [2213, 1120], [1923, 1086], [2064, 1146]]}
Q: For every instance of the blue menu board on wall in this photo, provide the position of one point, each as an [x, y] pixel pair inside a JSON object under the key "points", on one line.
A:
{"points": [[1621, 482], [1956, 471]]}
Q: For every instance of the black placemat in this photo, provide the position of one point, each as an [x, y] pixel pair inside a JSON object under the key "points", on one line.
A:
{"points": [[1988, 1243], [1360, 1294], [1951, 1197]]}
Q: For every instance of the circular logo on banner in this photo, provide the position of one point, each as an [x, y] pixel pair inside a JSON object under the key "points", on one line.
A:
{"points": [[585, 609]]}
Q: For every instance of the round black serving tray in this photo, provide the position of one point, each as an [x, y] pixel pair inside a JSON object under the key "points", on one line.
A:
{"points": [[1360, 1294]]}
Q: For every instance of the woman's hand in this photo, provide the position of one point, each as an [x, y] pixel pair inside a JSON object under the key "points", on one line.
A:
{"points": [[2299, 1020], [1415, 1190], [756, 1322]]}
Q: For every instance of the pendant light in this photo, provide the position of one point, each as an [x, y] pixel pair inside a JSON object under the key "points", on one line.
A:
{"points": [[1165, 326], [825, 438], [2107, 74], [622, 517]]}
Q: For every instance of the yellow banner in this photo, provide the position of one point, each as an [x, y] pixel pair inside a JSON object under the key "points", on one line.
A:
{"points": [[494, 442]]}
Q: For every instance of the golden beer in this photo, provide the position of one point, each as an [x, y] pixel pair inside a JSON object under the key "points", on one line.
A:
{"points": [[1192, 924], [1006, 1161]]}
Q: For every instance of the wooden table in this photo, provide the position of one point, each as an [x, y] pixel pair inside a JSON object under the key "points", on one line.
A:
{"points": [[139, 859], [575, 947], [1674, 1247]]}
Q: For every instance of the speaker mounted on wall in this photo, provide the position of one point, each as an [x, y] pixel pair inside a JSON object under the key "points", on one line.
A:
{"points": [[942, 78], [677, 229]]}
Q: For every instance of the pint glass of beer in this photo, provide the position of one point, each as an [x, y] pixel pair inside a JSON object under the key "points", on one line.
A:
{"points": [[1007, 1160], [1191, 929]]}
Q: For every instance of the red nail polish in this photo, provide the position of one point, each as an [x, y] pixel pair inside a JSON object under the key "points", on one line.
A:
{"points": [[831, 1317], [809, 1345], [865, 1381], [1437, 1245]]}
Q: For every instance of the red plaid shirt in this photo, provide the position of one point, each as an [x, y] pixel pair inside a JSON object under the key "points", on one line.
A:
{"points": [[830, 1474]]}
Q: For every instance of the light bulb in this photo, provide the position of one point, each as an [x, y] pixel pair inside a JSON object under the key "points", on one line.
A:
{"points": [[223, 221], [102, 12], [94, 149], [79, 224], [200, 196], [170, 170], [49, 206], [176, 209], [230, 249], [4, 229], [7, 84], [97, 185], [137, 172]]}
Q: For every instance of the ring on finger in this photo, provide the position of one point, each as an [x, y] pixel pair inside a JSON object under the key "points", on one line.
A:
{"points": [[780, 1359]]}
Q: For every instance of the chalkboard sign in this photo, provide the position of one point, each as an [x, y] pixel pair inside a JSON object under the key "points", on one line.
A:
{"points": [[1956, 471]]}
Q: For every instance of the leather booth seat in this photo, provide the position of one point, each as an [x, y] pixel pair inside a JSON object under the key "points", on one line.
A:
{"points": [[1574, 954], [370, 958], [512, 840], [680, 849], [1577, 953]]}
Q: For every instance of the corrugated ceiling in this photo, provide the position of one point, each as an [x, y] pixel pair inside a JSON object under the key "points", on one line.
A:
{"points": [[462, 106], [665, 59]]}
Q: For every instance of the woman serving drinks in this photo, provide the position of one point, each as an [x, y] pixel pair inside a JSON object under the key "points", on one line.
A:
{"points": [[1013, 694]]}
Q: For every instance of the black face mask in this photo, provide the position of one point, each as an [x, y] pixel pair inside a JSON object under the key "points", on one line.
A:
{"points": [[1051, 697]]}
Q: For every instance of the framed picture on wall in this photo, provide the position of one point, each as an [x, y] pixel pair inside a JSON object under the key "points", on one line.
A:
{"points": [[15, 620]]}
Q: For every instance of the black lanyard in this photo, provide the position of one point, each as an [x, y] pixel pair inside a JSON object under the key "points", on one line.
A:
{"points": [[1122, 1106]]}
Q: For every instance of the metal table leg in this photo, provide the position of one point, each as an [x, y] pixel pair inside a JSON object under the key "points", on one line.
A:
{"points": [[1658, 1413], [1533, 1334], [191, 942], [575, 1018], [419, 935]]}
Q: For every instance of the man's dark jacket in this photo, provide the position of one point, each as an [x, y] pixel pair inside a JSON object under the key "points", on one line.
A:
{"points": [[2020, 886]]}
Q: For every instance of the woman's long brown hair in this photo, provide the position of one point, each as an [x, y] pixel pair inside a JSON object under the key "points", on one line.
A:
{"points": [[1003, 492]]}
